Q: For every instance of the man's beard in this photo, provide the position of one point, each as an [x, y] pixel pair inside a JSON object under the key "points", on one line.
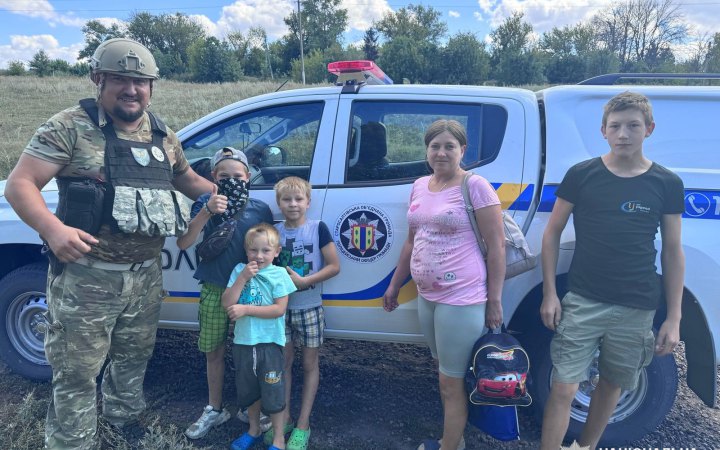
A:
{"points": [[127, 116]]}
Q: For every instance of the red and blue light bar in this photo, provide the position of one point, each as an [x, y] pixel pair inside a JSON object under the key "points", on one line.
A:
{"points": [[359, 71]]}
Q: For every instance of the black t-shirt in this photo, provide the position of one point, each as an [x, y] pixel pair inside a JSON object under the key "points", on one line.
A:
{"points": [[217, 271], [616, 220]]}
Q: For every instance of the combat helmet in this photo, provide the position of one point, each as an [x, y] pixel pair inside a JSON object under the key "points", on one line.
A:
{"points": [[124, 57]]}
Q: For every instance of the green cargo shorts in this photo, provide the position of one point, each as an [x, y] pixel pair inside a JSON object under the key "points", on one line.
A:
{"points": [[622, 334], [213, 319]]}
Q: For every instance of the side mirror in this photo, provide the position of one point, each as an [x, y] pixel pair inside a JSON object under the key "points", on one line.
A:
{"points": [[274, 156]]}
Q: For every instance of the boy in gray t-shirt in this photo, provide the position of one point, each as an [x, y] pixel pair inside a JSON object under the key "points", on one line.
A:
{"points": [[310, 257]]}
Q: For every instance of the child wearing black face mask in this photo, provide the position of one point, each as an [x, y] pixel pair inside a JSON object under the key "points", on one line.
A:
{"points": [[229, 199]]}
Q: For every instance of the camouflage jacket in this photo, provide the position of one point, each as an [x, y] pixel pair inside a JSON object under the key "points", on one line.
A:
{"points": [[72, 140]]}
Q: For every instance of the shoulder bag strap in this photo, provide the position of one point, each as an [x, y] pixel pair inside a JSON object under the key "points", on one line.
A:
{"points": [[471, 214]]}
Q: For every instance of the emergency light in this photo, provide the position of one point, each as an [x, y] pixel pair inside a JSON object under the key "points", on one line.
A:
{"points": [[356, 72]]}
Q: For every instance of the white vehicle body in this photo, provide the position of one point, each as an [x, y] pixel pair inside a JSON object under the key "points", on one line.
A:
{"points": [[521, 141]]}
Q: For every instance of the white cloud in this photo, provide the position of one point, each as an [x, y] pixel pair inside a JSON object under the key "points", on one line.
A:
{"points": [[453, 14], [542, 14], [703, 21], [245, 14], [362, 15], [547, 14], [702, 25], [41, 9], [110, 21], [210, 27], [23, 48]]}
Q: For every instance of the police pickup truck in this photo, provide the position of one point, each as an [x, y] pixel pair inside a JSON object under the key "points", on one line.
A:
{"points": [[360, 144]]}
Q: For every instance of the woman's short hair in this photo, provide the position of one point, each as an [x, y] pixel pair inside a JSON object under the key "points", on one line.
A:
{"points": [[451, 126]]}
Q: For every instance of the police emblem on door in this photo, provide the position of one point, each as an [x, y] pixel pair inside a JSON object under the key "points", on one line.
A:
{"points": [[364, 233]]}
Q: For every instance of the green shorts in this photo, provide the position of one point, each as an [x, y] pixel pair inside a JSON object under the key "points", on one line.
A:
{"points": [[214, 322], [622, 334]]}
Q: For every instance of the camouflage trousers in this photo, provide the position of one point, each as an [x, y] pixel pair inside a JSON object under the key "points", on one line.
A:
{"points": [[93, 314]]}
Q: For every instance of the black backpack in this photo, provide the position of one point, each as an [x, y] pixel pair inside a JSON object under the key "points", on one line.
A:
{"points": [[498, 371]]}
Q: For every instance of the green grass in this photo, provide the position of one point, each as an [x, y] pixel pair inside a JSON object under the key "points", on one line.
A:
{"points": [[26, 102]]}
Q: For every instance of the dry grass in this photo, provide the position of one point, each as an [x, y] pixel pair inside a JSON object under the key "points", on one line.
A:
{"points": [[27, 430], [23, 424], [26, 426], [26, 102]]}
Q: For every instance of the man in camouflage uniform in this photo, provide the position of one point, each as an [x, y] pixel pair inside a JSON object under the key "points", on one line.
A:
{"points": [[118, 169]]}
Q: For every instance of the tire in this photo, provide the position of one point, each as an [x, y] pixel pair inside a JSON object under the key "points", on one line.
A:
{"points": [[22, 307], [639, 412]]}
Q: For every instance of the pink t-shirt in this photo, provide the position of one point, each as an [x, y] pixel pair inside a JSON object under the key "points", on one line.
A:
{"points": [[446, 263]]}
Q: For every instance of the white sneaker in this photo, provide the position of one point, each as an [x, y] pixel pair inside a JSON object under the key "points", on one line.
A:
{"points": [[210, 418], [265, 421]]}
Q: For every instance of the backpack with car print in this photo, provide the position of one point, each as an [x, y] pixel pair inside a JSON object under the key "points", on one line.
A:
{"points": [[498, 371]]}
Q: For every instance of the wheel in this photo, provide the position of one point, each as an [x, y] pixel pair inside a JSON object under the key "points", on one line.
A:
{"points": [[638, 412], [23, 305]]}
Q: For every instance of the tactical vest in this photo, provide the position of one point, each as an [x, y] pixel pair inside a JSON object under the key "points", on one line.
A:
{"points": [[138, 195]]}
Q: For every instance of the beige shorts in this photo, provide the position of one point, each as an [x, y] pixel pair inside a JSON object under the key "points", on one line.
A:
{"points": [[622, 334]]}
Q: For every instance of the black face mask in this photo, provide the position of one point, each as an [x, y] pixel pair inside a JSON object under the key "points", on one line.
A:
{"points": [[237, 192]]}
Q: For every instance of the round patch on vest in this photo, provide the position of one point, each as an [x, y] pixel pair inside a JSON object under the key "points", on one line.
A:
{"points": [[157, 154]]}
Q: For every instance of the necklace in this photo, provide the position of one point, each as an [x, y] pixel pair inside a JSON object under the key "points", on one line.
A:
{"points": [[444, 185]]}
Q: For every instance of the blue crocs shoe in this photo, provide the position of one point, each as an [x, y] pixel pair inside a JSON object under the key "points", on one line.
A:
{"points": [[245, 442]]}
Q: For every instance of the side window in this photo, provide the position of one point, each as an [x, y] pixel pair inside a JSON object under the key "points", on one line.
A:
{"points": [[279, 141], [387, 138]]}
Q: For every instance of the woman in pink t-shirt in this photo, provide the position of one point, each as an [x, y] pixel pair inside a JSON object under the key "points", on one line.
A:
{"points": [[459, 292]]}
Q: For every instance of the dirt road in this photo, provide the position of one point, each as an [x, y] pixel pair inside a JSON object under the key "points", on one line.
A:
{"points": [[377, 396], [373, 396]]}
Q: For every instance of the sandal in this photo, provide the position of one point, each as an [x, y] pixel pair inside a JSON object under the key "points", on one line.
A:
{"points": [[298, 439], [429, 444], [245, 442], [269, 435]]}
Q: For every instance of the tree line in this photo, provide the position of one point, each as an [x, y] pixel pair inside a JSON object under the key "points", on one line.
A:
{"points": [[412, 45]]}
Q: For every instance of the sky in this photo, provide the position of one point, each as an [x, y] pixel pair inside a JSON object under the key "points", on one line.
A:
{"points": [[27, 26]]}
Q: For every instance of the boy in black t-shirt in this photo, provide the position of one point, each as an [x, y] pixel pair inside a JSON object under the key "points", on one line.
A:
{"points": [[617, 201]]}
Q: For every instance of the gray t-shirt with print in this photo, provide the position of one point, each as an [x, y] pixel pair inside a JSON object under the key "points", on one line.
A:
{"points": [[301, 251]]}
